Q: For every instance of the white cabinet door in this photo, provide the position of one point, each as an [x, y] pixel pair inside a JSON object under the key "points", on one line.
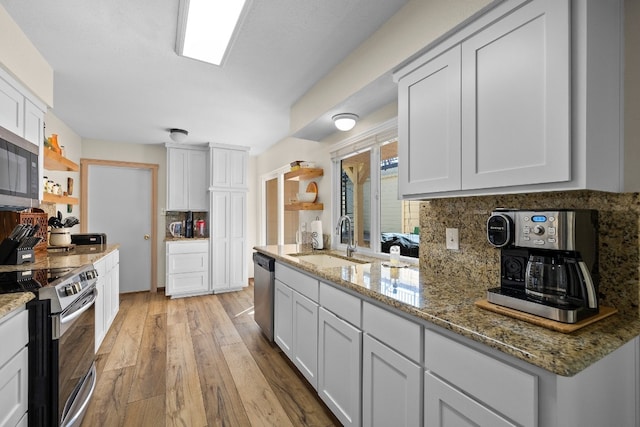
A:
{"points": [[101, 329], [429, 126], [11, 108], [177, 179], [339, 373], [115, 285], [305, 337], [198, 182], [219, 239], [282, 315], [33, 123], [14, 389], [516, 99], [228, 240], [228, 168], [237, 240], [391, 387], [187, 268], [445, 406]]}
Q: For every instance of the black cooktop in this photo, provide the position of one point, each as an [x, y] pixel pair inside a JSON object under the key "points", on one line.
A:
{"points": [[30, 280]]}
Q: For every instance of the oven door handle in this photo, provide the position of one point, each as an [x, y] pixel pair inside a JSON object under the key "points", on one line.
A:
{"points": [[74, 411], [68, 318]]}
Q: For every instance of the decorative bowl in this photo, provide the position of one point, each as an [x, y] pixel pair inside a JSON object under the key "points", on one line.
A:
{"points": [[307, 197]]}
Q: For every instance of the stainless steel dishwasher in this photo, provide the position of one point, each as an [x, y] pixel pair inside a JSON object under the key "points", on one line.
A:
{"points": [[263, 277]]}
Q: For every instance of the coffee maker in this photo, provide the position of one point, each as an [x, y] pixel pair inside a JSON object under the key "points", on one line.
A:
{"points": [[548, 262]]}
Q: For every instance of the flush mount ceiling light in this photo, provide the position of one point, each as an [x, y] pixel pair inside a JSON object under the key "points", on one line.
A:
{"points": [[345, 121], [205, 28], [178, 135]]}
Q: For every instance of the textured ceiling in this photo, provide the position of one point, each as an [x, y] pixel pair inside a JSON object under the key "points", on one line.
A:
{"points": [[117, 77]]}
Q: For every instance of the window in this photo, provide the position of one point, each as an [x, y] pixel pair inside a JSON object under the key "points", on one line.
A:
{"points": [[367, 175]]}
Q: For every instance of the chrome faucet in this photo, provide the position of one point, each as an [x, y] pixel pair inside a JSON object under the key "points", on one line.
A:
{"points": [[351, 247]]}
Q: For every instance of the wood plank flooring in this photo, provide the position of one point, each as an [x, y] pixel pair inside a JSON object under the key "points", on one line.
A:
{"points": [[196, 362]]}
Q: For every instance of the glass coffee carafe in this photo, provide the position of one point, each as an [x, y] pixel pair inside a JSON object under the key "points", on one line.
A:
{"points": [[546, 279]]}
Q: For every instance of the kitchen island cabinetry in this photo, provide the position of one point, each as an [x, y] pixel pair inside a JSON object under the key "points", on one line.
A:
{"points": [[187, 268], [14, 335], [472, 120], [187, 178], [108, 300]]}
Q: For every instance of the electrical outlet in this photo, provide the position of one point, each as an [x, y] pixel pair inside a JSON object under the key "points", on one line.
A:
{"points": [[453, 242]]}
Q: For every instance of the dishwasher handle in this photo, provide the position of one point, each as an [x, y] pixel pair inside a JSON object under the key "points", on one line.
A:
{"points": [[264, 261]]}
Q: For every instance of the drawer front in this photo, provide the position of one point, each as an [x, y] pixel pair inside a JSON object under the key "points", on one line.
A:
{"points": [[401, 334], [496, 384], [342, 304], [186, 263], [187, 283], [14, 334], [187, 247], [13, 389], [306, 285]]}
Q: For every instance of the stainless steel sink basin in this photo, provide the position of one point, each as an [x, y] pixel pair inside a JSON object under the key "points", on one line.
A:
{"points": [[327, 261]]}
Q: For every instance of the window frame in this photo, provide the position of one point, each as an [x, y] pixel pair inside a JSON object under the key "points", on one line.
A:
{"points": [[369, 141]]}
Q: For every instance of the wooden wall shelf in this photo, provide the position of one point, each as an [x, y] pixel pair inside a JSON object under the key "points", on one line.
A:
{"points": [[304, 207], [303, 174], [55, 162], [53, 198]]}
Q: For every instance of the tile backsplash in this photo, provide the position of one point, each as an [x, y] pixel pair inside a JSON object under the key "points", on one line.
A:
{"points": [[477, 263]]}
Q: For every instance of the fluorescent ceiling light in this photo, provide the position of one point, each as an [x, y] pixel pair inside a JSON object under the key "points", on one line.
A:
{"points": [[205, 28]]}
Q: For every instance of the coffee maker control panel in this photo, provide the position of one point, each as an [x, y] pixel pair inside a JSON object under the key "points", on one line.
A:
{"points": [[545, 230]]}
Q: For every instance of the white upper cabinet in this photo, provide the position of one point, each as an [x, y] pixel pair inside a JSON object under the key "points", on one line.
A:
{"points": [[187, 180], [515, 102], [515, 99], [429, 121], [20, 112], [228, 166]]}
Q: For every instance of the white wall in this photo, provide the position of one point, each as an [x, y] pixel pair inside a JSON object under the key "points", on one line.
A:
{"points": [[72, 143], [410, 30], [139, 153], [23, 61]]}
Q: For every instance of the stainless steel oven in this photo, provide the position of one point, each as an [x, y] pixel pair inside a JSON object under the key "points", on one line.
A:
{"points": [[74, 330], [62, 373]]}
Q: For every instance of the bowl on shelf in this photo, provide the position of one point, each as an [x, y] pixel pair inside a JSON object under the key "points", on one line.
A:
{"points": [[307, 197]]}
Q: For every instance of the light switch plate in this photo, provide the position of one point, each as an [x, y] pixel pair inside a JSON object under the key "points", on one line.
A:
{"points": [[452, 239]]}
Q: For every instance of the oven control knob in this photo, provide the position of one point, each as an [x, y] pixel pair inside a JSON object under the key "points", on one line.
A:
{"points": [[538, 230], [73, 288]]}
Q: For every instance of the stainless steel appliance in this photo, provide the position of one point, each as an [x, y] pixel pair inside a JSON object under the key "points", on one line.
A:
{"points": [[263, 290], [19, 182], [548, 262], [62, 373]]}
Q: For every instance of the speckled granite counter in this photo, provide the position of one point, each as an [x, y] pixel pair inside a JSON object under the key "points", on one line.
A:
{"points": [[77, 257], [10, 302], [451, 306]]}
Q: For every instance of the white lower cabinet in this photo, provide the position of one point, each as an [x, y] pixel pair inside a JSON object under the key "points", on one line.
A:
{"points": [[187, 268], [296, 321], [14, 357], [391, 386], [108, 301], [446, 406], [282, 315], [339, 367], [305, 337]]}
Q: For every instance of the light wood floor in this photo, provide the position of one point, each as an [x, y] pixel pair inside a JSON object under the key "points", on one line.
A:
{"points": [[194, 362]]}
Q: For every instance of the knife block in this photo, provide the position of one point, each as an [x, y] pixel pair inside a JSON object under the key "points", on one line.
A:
{"points": [[9, 220]]}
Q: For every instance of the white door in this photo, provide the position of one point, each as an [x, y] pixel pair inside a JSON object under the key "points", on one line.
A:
{"points": [[119, 204]]}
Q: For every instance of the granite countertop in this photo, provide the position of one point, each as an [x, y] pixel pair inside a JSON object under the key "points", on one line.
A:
{"points": [[451, 305], [76, 257]]}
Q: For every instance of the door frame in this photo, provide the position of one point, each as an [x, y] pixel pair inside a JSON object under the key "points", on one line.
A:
{"points": [[84, 208]]}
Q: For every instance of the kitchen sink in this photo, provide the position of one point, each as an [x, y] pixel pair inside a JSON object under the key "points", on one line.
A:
{"points": [[327, 261]]}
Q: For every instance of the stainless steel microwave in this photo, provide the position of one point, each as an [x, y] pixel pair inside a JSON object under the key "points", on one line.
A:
{"points": [[19, 182]]}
